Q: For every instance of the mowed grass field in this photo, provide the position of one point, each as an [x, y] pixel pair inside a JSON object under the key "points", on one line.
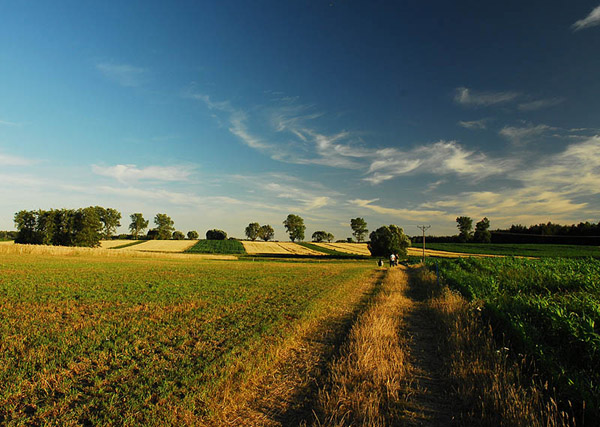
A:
{"points": [[142, 340]]}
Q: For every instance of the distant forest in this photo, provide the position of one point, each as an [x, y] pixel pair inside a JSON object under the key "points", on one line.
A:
{"points": [[584, 233]]}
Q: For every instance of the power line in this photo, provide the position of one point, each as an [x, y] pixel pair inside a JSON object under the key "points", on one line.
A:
{"points": [[423, 228]]}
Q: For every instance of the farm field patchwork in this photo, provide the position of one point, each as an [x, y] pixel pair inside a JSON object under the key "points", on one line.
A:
{"points": [[279, 248], [549, 309], [141, 340], [516, 249]]}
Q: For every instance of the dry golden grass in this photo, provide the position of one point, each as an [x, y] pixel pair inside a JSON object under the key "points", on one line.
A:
{"points": [[280, 248], [98, 252], [491, 386], [368, 383], [349, 248], [162, 246]]}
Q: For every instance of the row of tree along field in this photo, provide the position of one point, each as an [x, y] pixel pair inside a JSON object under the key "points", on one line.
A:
{"points": [[584, 233], [87, 226]]}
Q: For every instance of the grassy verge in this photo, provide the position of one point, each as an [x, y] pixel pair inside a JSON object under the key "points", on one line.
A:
{"points": [[217, 247], [491, 384], [156, 335], [516, 249]]}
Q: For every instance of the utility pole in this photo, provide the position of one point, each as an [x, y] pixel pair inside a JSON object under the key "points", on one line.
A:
{"points": [[423, 228]]}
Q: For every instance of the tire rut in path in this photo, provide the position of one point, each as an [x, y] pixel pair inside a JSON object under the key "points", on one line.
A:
{"points": [[430, 388]]}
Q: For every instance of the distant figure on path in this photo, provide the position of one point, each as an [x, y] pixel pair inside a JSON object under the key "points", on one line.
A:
{"points": [[392, 260], [380, 262]]}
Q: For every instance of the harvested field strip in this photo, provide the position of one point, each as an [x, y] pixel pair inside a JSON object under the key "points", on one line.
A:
{"points": [[280, 248], [163, 246], [350, 248]]}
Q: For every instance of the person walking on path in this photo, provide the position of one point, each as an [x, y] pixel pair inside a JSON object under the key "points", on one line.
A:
{"points": [[392, 260]]}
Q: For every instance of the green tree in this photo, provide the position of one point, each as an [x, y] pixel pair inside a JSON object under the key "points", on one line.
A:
{"points": [[266, 232], [252, 230], [319, 236], [164, 226], [86, 227], [359, 228], [295, 227], [110, 219], [178, 235], [465, 228], [138, 224], [192, 235], [482, 233], [216, 234], [388, 240], [26, 223]]}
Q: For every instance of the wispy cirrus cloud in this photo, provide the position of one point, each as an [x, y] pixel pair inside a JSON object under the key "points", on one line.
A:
{"points": [[440, 158], [8, 160], [128, 173], [9, 123], [592, 20], [468, 97], [401, 213], [124, 74], [474, 124], [540, 104], [524, 134], [292, 138]]}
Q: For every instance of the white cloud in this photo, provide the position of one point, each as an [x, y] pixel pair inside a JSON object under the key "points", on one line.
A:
{"points": [[124, 74], [172, 197], [126, 173], [539, 104], [591, 20], [442, 157], [474, 124], [468, 97], [7, 123], [405, 214], [8, 160], [519, 135]]}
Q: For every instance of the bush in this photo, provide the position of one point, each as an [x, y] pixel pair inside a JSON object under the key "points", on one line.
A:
{"points": [[192, 235], [178, 235], [216, 234]]}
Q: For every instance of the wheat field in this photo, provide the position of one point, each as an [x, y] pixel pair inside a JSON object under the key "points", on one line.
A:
{"points": [[162, 246], [279, 248]]}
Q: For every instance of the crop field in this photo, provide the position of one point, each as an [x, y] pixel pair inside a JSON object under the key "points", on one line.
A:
{"points": [[163, 246], [278, 248], [516, 249], [217, 247], [549, 309], [349, 248], [141, 340]]}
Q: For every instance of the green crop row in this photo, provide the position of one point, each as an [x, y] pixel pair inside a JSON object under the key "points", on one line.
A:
{"points": [[549, 309], [217, 247]]}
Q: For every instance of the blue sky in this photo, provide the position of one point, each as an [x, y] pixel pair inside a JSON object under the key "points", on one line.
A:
{"points": [[229, 112]]}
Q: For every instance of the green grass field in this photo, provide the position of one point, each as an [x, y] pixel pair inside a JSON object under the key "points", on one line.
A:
{"points": [[89, 340], [217, 247], [516, 249], [548, 309]]}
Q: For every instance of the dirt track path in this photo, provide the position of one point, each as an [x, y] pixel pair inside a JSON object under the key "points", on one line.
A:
{"points": [[430, 387], [375, 365]]}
